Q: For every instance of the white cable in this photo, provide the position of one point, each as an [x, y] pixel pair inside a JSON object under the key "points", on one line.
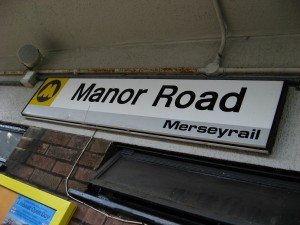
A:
{"points": [[77, 200]]}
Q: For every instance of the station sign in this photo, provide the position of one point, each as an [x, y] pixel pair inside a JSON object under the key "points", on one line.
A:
{"points": [[228, 112]]}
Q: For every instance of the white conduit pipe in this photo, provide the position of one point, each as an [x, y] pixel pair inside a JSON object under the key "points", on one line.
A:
{"points": [[212, 69], [215, 69], [222, 27]]}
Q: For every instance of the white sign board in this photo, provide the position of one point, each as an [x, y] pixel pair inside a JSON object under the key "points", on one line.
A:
{"points": [[231, 112]]}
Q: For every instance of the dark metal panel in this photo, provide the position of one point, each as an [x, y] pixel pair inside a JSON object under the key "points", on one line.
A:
{"points": [[199, 192]]}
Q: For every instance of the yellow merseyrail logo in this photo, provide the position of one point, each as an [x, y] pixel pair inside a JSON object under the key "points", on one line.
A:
{"points": [[48, 91]]}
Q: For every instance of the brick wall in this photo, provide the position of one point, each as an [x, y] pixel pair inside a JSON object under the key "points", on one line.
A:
{"points": [[44, 158]]}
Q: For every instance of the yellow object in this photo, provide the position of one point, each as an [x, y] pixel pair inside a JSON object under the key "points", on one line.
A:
{"points": [[11, 188], [7, 199], [48, 91]]}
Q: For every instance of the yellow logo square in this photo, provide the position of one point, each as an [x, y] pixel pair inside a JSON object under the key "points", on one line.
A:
{"points": [[48, 91]]}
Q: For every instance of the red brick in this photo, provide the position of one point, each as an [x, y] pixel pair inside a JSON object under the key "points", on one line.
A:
{"points": [[83, 174], [78, 142], [62, 153], [20, 155], [94, 218], [45, 179], [62, 187], [24, 142], [42, 148], [129, 223], [77, 185], [21, 171], [71, 184], [31, 145], [41, 162], [72, 222], [99, 146], [62, 168], [90, 160], [111, 221], [57, 138], [34, 132], [80, 211]]}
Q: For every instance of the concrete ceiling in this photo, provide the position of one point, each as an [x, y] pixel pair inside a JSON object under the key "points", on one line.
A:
{"points": [[57, 25]]}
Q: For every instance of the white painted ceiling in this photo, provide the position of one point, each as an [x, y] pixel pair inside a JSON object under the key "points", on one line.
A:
{"points": [[57, 25]]}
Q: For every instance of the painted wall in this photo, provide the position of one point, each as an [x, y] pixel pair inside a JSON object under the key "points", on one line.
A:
{"points": [[171, 33]]}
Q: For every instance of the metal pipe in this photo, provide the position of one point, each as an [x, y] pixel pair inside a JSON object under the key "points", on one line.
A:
{"points": [[183, 71], [290, 74], [178, 70], [107, 203], [12, 72], [10, 83], [289, 71], [163, 71]]}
